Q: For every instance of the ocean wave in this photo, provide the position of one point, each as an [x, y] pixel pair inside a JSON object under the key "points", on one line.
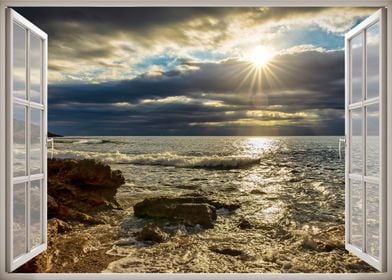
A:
{"points": [[163, 159], [81, 141], [90, 141]]}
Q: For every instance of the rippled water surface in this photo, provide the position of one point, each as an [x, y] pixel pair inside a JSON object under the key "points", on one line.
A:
{"points": [[291, 189]]}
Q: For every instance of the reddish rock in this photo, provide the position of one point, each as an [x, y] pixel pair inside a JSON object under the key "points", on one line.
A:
{"points": [[79, 189]]}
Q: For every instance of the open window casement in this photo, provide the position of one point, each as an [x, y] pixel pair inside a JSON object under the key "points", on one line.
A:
{"points": [[26, 140], [366, 140]]}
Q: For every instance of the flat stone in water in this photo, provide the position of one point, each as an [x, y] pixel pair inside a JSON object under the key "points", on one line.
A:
{"points": [[227, 251]]}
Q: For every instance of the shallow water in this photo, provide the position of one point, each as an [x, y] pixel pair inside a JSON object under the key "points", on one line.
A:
{"points": [[291, 189]]}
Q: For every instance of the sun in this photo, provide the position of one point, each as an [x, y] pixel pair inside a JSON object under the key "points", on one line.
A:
{"points": [[260, 56]]}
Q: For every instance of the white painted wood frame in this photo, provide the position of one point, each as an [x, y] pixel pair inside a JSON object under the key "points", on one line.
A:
{"points": [[361, 31], [14, 19]]}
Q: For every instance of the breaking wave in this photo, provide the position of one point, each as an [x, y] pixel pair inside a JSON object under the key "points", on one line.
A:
{"points": [[90, 141], [81, 141], [163, 159]]}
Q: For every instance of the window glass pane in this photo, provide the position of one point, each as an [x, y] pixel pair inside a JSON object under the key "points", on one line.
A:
{"points": [[19, 62], [373, 140], [373, 60], [356, 141], [35, 140], [35, 69], [19, 219], [356, 68], [35, 214], [356, 213], [19, 138], [372, 220]]}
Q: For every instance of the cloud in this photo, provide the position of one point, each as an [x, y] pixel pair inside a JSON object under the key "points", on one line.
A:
{"points": [[105, 44], [213, 95], [170, 71]]}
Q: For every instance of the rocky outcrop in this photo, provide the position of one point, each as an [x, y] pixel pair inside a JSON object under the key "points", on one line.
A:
{"points": [[191, 209], [79, 189]]}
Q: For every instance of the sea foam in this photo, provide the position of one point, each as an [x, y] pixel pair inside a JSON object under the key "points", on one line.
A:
{"points": [[163, 159]]}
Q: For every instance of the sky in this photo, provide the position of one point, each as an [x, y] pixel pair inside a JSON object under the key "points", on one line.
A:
{"points": [[196, 71]]}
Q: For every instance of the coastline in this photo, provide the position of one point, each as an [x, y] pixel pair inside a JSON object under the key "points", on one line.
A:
{"points": [[98, 223], [83, 217]]}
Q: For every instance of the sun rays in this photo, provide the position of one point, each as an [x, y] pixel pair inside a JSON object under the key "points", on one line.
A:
{"points": [[258, 73], [260, 56]]}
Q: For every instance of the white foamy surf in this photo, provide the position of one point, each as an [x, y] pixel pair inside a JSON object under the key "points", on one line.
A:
{"points": [[163, 159]]}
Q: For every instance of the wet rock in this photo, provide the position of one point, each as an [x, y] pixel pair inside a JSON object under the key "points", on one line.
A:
{"points": [[191, 210], [59, 225], [68, 213], [286, 265], [227, 251], [151, 232], [244, 224], [177, 209], [309, 244], [77, 190], [259, 192], [328, 246]]}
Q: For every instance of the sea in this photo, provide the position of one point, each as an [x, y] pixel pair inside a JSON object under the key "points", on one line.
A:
{"points": [[291, 190]]}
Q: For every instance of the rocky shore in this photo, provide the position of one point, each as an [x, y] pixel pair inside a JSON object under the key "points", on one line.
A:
{"points": [[80, 192], [188, 231], [84, 217]]}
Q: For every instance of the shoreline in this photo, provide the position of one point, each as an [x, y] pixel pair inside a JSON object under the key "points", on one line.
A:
{"points": [[109, 238]]}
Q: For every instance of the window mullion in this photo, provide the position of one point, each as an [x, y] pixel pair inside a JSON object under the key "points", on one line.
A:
{"points": [[28, 185], [364, 139]]}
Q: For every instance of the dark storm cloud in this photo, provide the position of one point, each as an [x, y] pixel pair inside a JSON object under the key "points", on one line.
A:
{"points": [[85, 34], [170, 71], [315, 78], [142, 19], [141, 105]]}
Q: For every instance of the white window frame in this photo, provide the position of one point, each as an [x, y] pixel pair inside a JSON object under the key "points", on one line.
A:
{"points": [[31, 29], [380, 180], [191, 3]]}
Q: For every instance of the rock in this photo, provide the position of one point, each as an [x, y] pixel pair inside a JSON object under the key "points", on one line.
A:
{"points": [[52, 206], [68, 213], [196, 214], [309, 244], [260, 192], [151, 232], [328, 246], [226, 251], [287, 265], [190, 209], [182, 209], [244, 224], [77, 190], [59, 226]]}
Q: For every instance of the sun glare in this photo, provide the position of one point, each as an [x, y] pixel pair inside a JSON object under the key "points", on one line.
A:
{"points": [[260, 56]]}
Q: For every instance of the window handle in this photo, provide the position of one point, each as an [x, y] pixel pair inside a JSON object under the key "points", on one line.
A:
{"points": [[341, 140], [50, 140]]}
